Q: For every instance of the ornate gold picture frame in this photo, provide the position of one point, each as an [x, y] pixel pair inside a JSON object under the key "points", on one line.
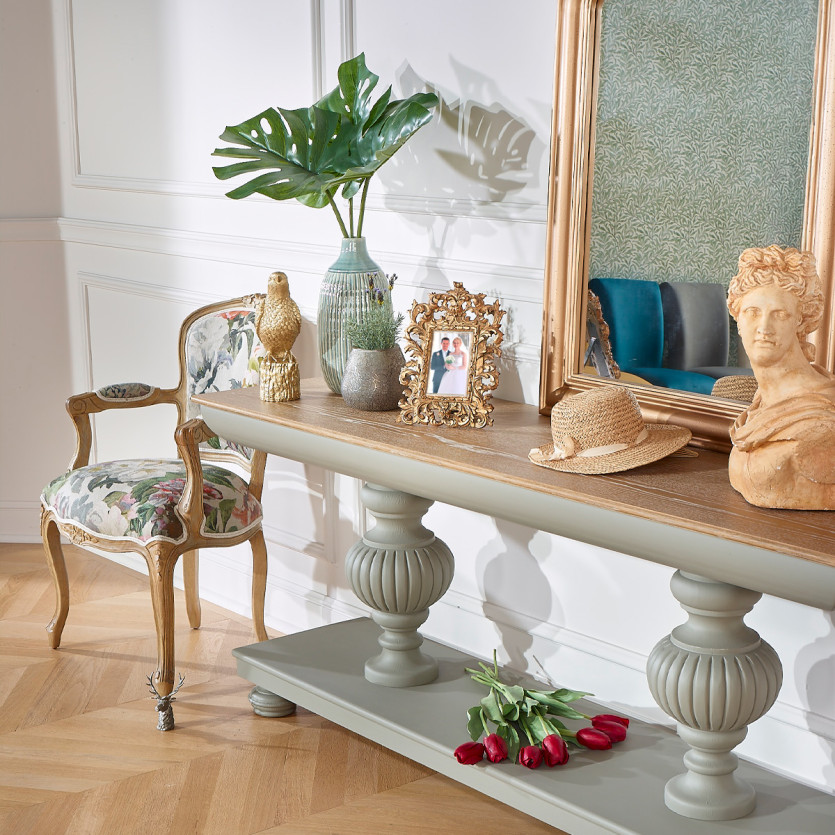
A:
{"points": [[452, 343]]}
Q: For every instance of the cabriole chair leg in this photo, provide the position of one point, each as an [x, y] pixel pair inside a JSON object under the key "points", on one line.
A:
{"points": [[51, 536]]}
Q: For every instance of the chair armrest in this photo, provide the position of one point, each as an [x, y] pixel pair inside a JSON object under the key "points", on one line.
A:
{"points": [[120, 396], [189, 436]]}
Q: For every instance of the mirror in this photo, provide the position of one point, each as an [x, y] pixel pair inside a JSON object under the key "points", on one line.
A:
{"points": [[673, 150]]}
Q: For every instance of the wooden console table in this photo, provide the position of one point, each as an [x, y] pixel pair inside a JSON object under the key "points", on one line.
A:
{"points": [[713, 674]]}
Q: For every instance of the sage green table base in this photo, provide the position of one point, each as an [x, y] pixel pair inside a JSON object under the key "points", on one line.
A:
{"points": [[266, 703], [399, 569], [597, 792], [715, 676], [679, 512]]}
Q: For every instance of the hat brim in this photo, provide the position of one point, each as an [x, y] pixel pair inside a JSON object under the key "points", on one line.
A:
{"points": [[661, 440]]}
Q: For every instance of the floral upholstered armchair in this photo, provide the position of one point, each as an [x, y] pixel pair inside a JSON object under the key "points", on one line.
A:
{"points": [[165, 508]]}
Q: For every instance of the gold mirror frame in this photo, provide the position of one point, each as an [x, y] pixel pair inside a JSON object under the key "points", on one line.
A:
{"points": [[569, 188]]}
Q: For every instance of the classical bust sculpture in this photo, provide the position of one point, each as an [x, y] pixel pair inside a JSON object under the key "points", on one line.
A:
{"points": [[784, 444]]}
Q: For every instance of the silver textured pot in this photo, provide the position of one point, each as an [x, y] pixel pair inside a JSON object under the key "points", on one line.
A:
{"points": [[371, 381]]}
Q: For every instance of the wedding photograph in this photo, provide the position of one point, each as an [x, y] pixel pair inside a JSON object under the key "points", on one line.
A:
{"points": [[449, 365]]}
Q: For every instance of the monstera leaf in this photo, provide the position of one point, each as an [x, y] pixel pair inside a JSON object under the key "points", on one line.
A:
{"points": [[340, 141], [293, 149]]}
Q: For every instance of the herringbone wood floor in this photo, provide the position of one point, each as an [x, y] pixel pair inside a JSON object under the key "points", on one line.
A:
{"points": [[80, 753]]}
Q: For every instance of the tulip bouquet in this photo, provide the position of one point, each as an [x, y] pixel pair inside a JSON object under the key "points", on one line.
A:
{"points": [[534, 716]]}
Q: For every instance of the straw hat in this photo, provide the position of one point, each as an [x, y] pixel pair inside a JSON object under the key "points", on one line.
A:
{"points": [[736, 387], [602, 431]]}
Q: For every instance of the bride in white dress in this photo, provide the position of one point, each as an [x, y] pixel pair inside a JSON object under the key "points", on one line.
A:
{"points": [[454, 380]]}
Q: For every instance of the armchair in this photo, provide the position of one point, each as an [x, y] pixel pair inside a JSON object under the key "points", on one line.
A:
{"points": [[167, 508]]}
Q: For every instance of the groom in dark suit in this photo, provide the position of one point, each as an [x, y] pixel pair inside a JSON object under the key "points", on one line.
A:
{"points": [[437, 364]]}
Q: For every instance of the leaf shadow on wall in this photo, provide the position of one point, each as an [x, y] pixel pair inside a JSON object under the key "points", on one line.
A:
{"points": [[487, 155], [516, 591], [814, 668], [475, 159]]}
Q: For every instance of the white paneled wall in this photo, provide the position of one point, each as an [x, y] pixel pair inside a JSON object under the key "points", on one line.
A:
{"points": [[119, 227]]}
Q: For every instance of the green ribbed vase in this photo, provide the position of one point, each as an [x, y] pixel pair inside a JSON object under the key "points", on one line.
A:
{"points": [[343, 297]]}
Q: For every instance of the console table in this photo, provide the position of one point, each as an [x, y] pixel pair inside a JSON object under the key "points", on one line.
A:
{"points": [[713, 674]]}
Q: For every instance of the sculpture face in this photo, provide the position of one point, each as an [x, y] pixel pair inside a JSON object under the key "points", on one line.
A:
{"points": [[768, 322]]}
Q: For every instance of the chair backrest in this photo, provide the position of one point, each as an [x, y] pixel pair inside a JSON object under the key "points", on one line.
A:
{"points": [[632, 309], [696, 324], [219, 350]]}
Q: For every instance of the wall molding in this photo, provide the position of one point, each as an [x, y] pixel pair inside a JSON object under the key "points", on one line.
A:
{"points": [[348, 26], [317, 48], [159, 292], [320, 13], [30, 230], [514, 212], [142, 288], [284, 538], [67, 35], [262, 252]]}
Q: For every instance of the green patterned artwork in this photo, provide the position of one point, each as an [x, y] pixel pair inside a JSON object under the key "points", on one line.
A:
{"points": [[702, 134]]}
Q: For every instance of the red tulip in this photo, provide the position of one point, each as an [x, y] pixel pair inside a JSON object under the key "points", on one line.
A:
{"points": [[496, 748], [594, 739], [555, 750], [531, 756], [610, 717], [614, 730], [469, 753]]}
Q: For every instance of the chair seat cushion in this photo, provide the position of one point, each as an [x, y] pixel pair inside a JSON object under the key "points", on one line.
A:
{"points": [[136, 499]]}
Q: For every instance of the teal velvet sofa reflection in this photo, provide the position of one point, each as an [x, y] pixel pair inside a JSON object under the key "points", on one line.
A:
{"points": [[674, 334]]}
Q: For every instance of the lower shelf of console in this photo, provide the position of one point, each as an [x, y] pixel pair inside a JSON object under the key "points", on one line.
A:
{"points": [[619, 791]]}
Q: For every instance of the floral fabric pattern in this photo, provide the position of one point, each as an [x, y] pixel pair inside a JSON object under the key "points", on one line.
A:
{"points": [[222, 352], [136, 499], [124, 391]]}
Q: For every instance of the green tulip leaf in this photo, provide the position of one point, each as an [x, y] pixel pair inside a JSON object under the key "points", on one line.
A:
{"points": [[559, 709], [515, 693], [492, 708], [556, 706], [511, 736], [565, 695], [475, 723]]}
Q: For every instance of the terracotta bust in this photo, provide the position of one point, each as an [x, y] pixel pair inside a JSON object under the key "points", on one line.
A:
{"points": [[784, 443]]}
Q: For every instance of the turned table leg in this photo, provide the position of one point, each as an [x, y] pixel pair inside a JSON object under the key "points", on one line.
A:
{"points": [[266, 703], [714, 675], [399, 569]]}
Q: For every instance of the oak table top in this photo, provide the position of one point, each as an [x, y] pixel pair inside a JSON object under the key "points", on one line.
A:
{"points": [[680, 511]]}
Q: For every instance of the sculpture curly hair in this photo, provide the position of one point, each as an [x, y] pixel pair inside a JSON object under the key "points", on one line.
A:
{"points": [[789, 269]]}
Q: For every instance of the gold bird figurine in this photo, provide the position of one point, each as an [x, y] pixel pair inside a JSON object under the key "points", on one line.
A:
{"points": [[278, 322]]}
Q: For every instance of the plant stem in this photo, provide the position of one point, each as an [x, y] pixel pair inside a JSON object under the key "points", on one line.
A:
{"points": [[351, 214], [362, 206], [338, 216]]}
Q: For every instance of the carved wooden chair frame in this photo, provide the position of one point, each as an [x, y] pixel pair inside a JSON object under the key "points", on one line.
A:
{"points": [[161, 554]]}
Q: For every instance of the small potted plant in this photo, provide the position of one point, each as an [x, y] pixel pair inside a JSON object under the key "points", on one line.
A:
{"points": [[371, 381]]}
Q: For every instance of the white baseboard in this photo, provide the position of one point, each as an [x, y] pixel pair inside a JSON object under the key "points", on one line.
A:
{"points": [[20, 521]]}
